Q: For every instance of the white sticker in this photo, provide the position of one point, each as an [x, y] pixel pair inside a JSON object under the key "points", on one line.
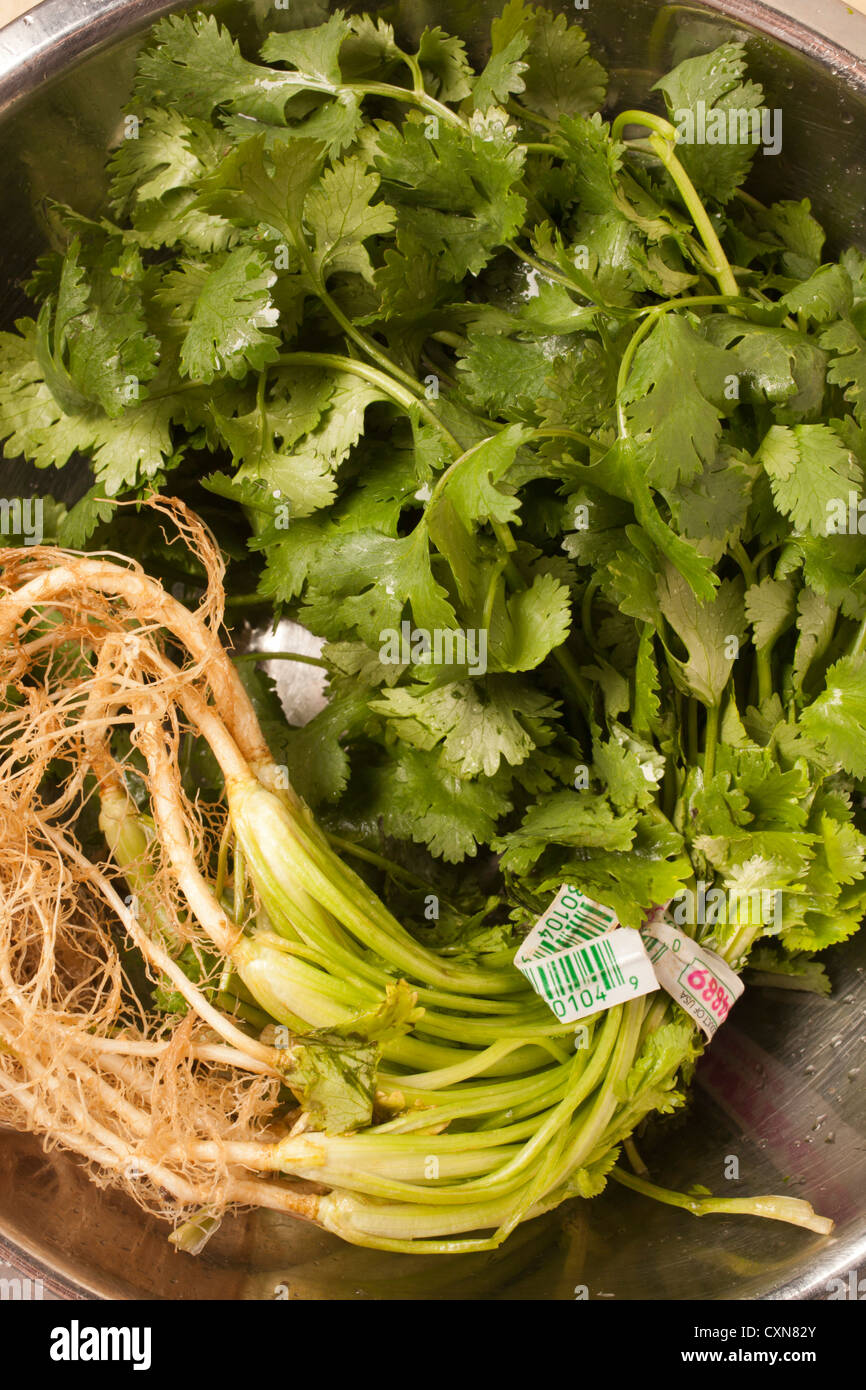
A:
{"points": [[694, 976], [579, 960]]}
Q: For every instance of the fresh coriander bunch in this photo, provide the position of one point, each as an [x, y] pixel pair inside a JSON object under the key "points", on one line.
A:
{"points": [[470, 362]]}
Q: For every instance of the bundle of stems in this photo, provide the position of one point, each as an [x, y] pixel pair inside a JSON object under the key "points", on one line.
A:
{"points": [[478, 1111]]}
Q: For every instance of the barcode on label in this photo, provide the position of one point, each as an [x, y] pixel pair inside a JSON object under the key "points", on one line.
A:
{"points": [[550, 940], [572, 919], [579, 960], [577, 968], [591, 914]]}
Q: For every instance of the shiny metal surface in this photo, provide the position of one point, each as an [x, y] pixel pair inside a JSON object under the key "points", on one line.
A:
{"points": [[782, 1088]]}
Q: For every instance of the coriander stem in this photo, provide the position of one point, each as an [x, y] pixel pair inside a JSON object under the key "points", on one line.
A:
{"points": [[693, 731], [452, 340], [764, 668], [562, 433], [634, 1157], [415, 97], [569, 668], [722, 272], [791, 1209], [247, 601], [490, 596], [628, 356], [282, 656], [662, 142], [382, 379], [711, 739], [533, 117], [688, 301], [746, 564], [586, 609], [370, 856], [543, 268], [222, 861], [750, 200], [361, 340], [411, 61]]}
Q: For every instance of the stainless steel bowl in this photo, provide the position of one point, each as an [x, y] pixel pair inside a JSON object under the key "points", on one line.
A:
{"points": [[781, 1090]]}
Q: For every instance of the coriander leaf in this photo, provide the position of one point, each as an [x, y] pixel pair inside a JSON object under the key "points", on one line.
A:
{"points": [[169, 152], [650, 1083], [407, 280], [580, 388], [623, 475], [504, 376], [677, 394], [417, 796], [294, 440], [366, 579], [134, 447], [770, 608], [633, 881], [447, 71], [810, 470], [477, 725], [315, 754], [369, 50], [502, 75], [818, 930], [837, 718], [710, 632], [456, 191], [528, 625], [629, 770], [712, 510], [194, 65], [177, 220], [776, 365], [224, 310], [472, 484], [83, 518], [561, 78], [130, 448], [335, 1081], [566, 818], [342, 423], [591, 1180], [255, 185], [848, 365], [334, 123], [844, 849], [91, 338], [715, 80], [31, 421], [816, 619], [602, 188], [314, 52], [646, 714], [768, 968], [798, 233], [613, 685], [824, 296], [291, 562], [836, 570], [603, 260], [340, 217]]}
